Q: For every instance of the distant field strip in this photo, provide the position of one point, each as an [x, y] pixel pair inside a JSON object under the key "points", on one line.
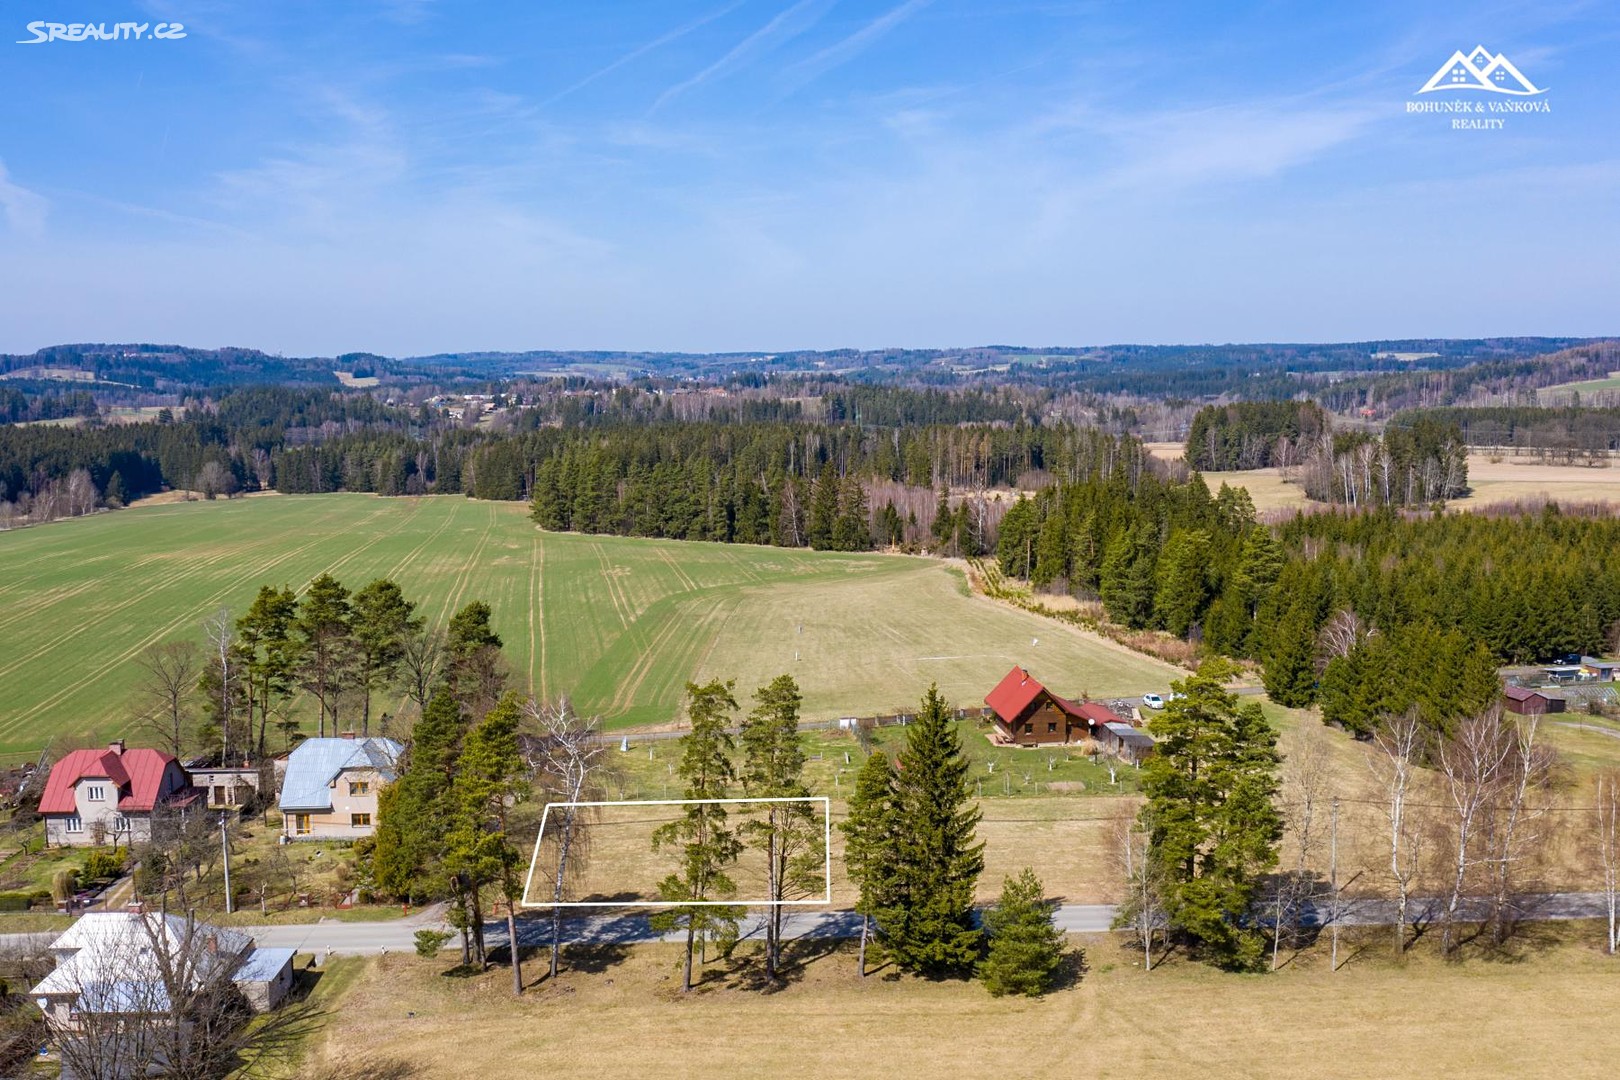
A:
{"points": [[619, 625]]}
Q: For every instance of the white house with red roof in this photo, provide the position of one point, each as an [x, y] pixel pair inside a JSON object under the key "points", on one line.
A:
{"points": [[107, 796], [1028, 714]]}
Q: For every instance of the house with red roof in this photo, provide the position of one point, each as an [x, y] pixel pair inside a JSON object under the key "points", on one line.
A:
{"points": [[108, 796], [1028, 714]]}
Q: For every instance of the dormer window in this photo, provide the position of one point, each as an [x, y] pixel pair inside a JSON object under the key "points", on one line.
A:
{"points": [[96, 793], [359, 787]]}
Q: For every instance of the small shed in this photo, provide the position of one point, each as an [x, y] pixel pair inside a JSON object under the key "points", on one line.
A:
{"points": [[1526, 701], [1601, 670], [265, 977], [1126, 742]]}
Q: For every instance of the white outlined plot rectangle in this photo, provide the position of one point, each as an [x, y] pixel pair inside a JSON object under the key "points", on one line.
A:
{"points": [[826, 817]]}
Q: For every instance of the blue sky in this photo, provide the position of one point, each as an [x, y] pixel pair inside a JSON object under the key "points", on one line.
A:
{"points": [[410, 177]]}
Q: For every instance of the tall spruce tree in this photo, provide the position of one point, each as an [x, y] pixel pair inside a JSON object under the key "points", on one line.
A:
{"points": [[707, 842], [823, 523], [1211, 785], [413, 813], [871, 843], [787, 832], [928, 923], [1289, 670], [1026, 948]]}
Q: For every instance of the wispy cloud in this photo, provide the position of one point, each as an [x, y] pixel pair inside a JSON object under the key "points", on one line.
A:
{"points": [[24, 209], [642, 50], [813, 67], [784, 27]]}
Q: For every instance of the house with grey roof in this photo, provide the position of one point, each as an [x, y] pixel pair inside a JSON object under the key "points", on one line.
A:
{"points": [[331, 786], [121, 964]]}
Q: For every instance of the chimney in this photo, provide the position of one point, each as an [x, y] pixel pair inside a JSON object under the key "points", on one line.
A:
{"points": [[116, 746], [348, 734]]}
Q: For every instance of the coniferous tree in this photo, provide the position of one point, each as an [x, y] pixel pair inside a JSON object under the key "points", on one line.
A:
{"points": [[412, 812], [787, 832], [1289, 673], [823, 518], [1127, 580], [268, 651], [480, 850], [871, 843], [928, 923], [325, 630], [852, 532], [1026, 949], [472, 658], [383, 621], [1210, 786], [707, 842], [1183, 588]]}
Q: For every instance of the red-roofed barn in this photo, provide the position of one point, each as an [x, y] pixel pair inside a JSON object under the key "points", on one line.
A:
{"points": [[107, 796], [1029, 714]]}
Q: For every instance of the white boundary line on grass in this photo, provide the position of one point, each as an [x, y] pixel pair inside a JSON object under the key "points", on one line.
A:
{"points": [[826, 810]]}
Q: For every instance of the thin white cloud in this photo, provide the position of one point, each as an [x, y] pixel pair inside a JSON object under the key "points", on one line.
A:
{"points": [[642, 50], [813, 67], [24, 209], [784, 27]]}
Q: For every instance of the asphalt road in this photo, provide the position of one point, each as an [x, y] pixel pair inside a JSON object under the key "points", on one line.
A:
{"points": [[361, 938]]}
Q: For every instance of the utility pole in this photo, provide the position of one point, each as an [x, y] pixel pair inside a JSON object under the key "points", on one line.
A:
{"points": [[1333, 881], [225, 846]]}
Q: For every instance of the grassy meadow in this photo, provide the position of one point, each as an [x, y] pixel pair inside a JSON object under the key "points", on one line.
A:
{"points": [[619, 624]]}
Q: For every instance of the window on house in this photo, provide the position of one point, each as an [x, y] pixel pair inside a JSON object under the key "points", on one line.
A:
{"points": [[359, 787], [360, 821], [74, 823], [1051, 728], [300, 824], [96, 792]]}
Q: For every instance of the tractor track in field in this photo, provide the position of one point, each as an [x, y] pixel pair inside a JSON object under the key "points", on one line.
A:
{"points": [[464, 575], [621, 605], [410, 556], [131, 653], [631, 683], [102, 616], [537, 619], [680, 575]]}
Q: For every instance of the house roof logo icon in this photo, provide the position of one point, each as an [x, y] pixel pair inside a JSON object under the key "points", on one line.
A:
{"points": [[1481, 70]]}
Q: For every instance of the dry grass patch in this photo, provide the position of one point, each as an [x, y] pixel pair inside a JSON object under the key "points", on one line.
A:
{"points": [[1547, 1012]]}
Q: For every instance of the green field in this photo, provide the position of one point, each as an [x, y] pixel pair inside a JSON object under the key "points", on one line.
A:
{"points": [[1588, 387], [618, 624]]}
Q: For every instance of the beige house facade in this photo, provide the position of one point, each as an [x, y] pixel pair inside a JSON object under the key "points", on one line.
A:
{"points": [[331, 787]]}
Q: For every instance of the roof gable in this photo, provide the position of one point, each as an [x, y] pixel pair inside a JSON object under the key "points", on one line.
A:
{"points": [[315, 763], [1018, 690], [138, 775]]}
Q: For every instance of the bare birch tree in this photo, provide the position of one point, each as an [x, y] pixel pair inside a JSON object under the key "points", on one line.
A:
{"points": [[1143, 910], [1606, 819], [1399, 743], [1512, 828], [218, 631], [1308, 779], [1473, 762], [571, 755]]}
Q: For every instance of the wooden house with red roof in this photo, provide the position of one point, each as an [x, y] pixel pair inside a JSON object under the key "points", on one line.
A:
{"points": [[1028, 714], [107, 796]]}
